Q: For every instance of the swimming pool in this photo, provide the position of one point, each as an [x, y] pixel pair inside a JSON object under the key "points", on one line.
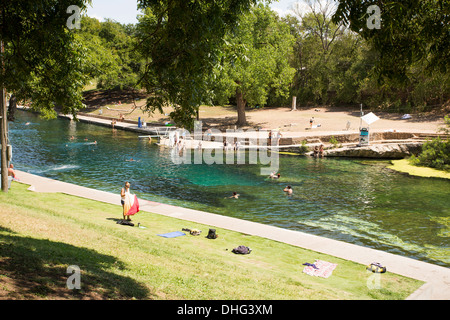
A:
{"points": [[356, 201]]}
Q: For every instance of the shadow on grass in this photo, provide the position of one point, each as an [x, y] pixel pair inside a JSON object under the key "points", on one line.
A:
{"points": [[37, 269]]}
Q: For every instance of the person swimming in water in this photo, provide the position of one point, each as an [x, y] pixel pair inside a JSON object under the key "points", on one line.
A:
{"points": [[288, 190], [235, 195], [275, 176]]}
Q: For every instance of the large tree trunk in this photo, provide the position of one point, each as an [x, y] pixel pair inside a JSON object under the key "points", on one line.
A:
{"points": [[241, 121], [3, 141], [3, 128], [12, 108]]}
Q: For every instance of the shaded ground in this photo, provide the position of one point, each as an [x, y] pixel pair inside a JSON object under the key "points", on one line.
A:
{"points": [[95, 99]]}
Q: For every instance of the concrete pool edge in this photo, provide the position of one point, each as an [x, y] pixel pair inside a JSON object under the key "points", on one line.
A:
{"points": [[436, 278]]}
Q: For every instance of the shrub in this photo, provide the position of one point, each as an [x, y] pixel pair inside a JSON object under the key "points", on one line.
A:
{"points": [[435, 154], [303, 148]]}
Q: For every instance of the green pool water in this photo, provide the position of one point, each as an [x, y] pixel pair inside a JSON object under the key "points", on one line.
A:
{"points": [[356, 201]]}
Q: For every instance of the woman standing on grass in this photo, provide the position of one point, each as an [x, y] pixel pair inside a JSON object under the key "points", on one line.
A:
{"points": [[129, 202]]}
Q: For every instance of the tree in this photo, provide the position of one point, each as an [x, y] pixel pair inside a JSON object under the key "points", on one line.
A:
{"points": [[342, 62], [102, 63], [41, 60], [256, 61], [181, 42], [329, 59], [411, 31], [111, 56]]}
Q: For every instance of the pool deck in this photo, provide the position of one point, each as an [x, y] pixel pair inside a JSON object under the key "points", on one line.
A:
{"points": [[436, 278], [149, 130]]}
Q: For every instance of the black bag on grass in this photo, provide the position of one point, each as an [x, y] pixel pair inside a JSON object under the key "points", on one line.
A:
{"points": [[212, 234], [242, 250]]}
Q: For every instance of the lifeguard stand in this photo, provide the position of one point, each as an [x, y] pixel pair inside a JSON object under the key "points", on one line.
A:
{"points": [[364, 134]]}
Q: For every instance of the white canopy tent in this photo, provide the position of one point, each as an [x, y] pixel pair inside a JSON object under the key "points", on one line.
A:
{"points": [[370, 118]]}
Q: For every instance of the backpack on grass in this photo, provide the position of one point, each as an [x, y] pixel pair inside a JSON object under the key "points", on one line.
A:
{"points": [[242, 250], [212, 234], [376, 268]]}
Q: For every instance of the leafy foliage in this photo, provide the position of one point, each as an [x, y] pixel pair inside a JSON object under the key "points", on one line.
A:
{"points": [[411, 31], [43, 61], [255, 64], [339, 61], [330, 60], [189, 53], [111, 56], [181, 42], [435, 153]]}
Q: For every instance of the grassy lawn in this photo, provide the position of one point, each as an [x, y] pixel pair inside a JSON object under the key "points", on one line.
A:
{"points": [[403, 165], [42, 234]]}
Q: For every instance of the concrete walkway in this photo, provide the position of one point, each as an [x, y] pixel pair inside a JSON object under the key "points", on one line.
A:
{"points": [[437, 278]]}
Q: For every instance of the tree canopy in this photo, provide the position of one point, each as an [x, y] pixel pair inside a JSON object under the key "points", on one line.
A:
{"points": [[411, 31], [189, 53], [255, 62], [181, 43], [338, 63], [42, 60], [111, 58]]}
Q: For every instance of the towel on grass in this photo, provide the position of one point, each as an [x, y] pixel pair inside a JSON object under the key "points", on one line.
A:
{"points": [[322, 269], [131, 205], [172, 234]]}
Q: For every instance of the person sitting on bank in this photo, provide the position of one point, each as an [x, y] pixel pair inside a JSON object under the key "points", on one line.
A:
{"points": [[11, 172], [316, 151]]}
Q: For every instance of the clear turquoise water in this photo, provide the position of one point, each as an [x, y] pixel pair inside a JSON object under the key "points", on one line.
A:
{"points": [[342, 199]]}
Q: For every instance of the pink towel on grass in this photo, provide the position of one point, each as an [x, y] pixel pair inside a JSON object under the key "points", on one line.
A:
{"points": [[324, 269]]}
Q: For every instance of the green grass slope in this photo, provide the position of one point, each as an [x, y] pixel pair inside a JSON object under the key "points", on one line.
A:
{"points": [[42, 234]]}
